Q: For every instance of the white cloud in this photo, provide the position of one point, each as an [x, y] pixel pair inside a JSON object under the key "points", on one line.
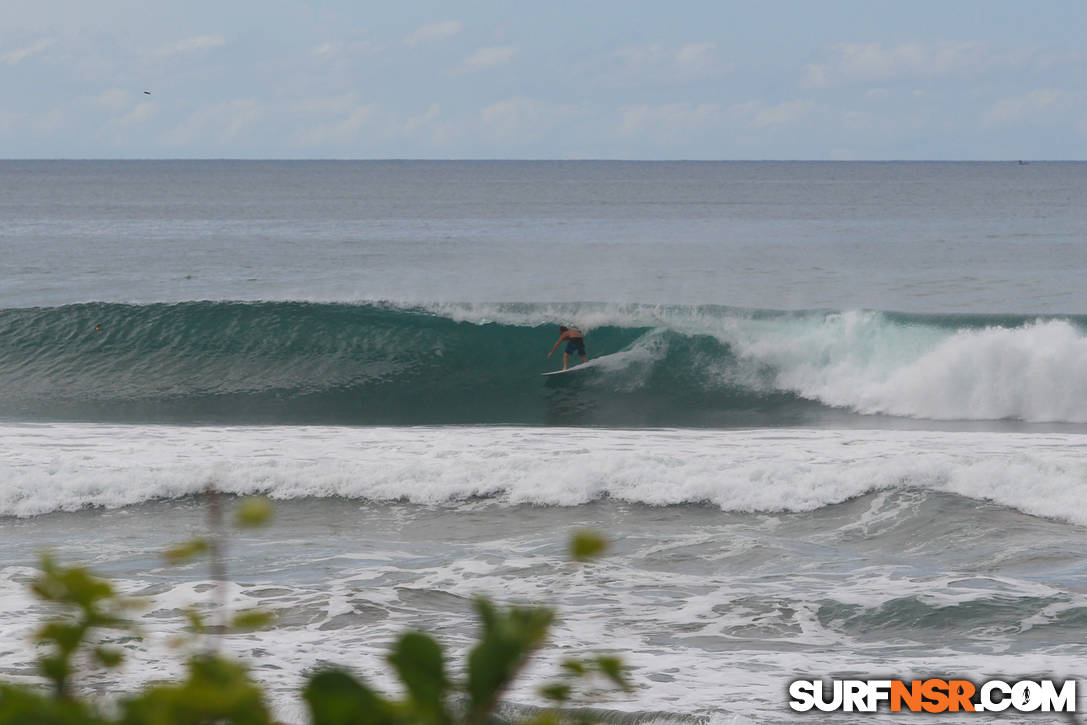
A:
{"points": [[416, 122], [340, 130], [816, 76], [338, 50], [659, 63], [430, 127], [49, 122], [225, 121], [522, 118], [115, 99], [139, 114], [867, 62], [193, 44], [432, 32], [488, 58], [761, 116], [331, 106], [121, 101], [669, 119], [859, 120], [343, 119], [17, 56], [697, 55], [8, 119], [1037, 103]]}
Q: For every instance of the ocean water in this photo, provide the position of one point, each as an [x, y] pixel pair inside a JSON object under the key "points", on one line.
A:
{"points": [[833, 422]]}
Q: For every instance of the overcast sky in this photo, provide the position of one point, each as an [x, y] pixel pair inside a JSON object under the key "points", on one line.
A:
{"points": [[603, 79]]}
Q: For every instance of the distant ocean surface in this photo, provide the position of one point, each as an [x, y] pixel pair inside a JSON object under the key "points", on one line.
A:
{"points": [[833, 420]]}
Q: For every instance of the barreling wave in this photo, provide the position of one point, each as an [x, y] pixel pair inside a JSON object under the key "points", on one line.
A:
{"points": [[293, 362]]}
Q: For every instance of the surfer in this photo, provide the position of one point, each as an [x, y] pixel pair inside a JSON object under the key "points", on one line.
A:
{"points": [[575, 342]]}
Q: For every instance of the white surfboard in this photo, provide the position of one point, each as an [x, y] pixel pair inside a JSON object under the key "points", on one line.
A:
{"points": [[569, 370]]}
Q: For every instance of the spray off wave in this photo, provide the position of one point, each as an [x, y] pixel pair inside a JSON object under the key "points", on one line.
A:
{"points": [[373, 364]]}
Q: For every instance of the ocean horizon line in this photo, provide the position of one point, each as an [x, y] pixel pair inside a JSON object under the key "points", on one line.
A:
{"points": [[406, 159]]}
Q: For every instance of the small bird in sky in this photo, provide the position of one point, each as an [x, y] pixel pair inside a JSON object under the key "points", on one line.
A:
{"points": [[148, 93]]}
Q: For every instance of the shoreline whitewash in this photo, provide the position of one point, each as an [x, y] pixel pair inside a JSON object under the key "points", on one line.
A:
{"points": [[69, 466]]}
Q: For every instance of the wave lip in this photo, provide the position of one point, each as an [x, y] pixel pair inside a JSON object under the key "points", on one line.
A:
{"points": [[376, 363]]}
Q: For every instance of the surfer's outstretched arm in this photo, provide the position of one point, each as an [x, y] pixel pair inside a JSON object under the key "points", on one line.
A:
{"points": [[556, 345]]}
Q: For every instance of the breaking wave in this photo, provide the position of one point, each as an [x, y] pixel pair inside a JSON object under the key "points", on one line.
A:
{"points": [[367, 364]]}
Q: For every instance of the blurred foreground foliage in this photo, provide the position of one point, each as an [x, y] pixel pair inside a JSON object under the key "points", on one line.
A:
{"points": [[217, 690]]}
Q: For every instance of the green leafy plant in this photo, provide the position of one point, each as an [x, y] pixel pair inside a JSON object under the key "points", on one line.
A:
{"points": [[93, 605], [509, 638], [217, 691], [249, 513]]}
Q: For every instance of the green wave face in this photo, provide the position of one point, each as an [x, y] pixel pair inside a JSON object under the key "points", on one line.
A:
{"points": [[288, 362]]}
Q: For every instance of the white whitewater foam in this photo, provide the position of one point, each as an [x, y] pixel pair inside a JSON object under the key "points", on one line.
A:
{"points": [[51, 467], [1037, 372], [723, 638], [862, 360]]}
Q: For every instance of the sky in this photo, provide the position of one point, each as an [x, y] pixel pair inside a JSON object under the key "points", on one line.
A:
{"points": [[687, 79]]}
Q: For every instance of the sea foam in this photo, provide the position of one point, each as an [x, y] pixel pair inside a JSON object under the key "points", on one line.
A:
{"points": [[65, 467]]}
